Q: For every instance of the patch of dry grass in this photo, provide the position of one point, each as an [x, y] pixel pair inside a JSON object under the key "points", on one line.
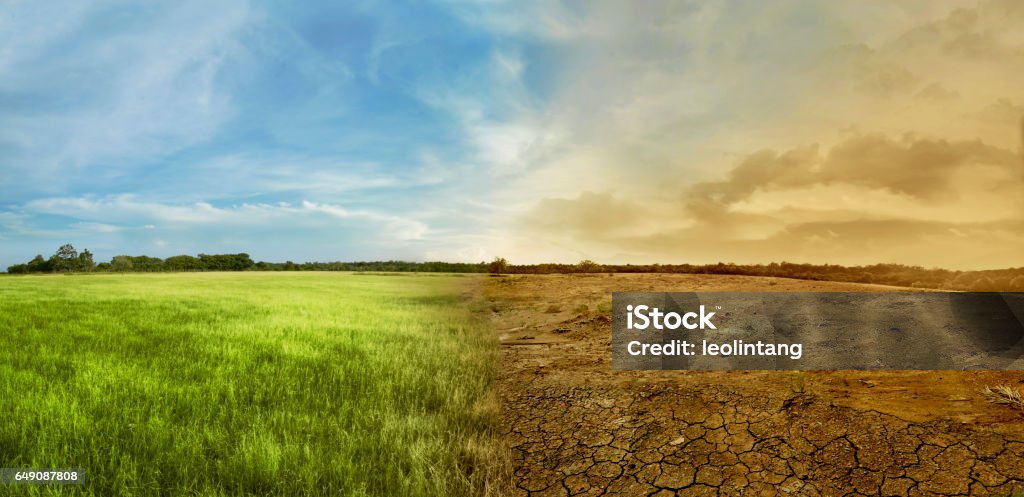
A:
{"points": [[1004, 395]]}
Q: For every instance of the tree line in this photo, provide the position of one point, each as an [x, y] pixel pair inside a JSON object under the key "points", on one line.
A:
{"points": [[68, 260], [995, 280]]}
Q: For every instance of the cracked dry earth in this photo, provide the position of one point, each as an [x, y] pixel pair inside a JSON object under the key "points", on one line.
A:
{"points": [[577, 427]]}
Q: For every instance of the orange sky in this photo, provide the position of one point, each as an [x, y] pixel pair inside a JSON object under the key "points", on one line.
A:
{"points": [[800, 131]]}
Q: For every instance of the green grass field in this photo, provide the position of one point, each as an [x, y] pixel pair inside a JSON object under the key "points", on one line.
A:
{"points": [[248, 383]]}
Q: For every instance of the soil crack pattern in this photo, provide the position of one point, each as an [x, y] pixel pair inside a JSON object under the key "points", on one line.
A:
{"points": [[663, 441], [577, 427]]}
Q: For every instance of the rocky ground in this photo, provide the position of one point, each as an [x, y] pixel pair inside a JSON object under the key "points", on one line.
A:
{"points": [[577, 427]]}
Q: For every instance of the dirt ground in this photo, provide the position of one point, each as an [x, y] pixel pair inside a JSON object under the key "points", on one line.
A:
{"points": [[577, 427]]}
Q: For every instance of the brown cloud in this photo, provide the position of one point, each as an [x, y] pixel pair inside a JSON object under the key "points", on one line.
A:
{"points": [[937, 93], [707, 226], [968, 32], [1003, 112], [918, 168]]}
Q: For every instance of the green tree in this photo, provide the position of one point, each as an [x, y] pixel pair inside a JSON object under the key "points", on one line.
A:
{"points": [[121, 263], [85, 262], [145, 263], [182, 263], [65, 259], [39, 265]]}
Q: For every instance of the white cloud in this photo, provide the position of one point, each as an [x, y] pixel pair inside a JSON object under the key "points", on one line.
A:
{"points": [[244, 174], [96, 227], [98, 212], [395, 226]]}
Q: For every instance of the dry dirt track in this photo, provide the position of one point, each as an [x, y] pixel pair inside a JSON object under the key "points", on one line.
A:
{"points": [[577, 427]]}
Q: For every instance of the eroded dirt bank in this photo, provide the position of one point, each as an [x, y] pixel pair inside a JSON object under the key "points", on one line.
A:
{"points": [[577, 427]]}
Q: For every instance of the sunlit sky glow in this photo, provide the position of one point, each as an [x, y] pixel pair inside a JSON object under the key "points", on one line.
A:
{"points": [[821, 132]]}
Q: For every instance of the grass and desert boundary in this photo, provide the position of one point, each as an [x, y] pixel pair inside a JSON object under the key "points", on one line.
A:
{"points": [[235, 206], [421, 383]]}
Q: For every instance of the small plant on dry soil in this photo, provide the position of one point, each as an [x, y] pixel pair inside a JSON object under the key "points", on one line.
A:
{"points": [[1004, 395]]}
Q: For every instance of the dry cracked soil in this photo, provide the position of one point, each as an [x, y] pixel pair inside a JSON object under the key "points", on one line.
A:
{"points": [[576, 427]]}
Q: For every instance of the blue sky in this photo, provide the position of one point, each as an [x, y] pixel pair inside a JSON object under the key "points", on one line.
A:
{"points": [[289, 130], [539, 131]]}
